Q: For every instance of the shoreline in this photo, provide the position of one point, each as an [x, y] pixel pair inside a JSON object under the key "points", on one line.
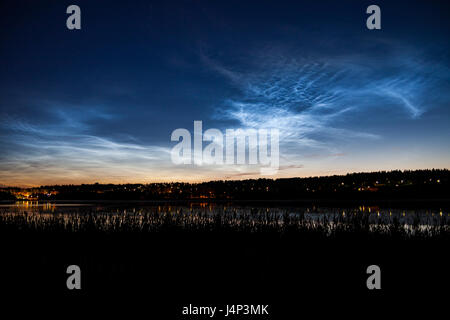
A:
{"points": [[414, 203]]}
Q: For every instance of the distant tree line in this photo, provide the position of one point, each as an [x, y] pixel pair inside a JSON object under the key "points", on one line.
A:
{"points": [[5, 195], [421, 184]]}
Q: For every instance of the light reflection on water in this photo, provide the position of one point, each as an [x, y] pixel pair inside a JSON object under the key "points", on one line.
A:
{"points": [[309, 212], [37, 204]]}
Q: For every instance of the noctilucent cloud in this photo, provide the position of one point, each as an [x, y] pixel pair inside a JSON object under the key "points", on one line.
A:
{"points": [[99, 104]]}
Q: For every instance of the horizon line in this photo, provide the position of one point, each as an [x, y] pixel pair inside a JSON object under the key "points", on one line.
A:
{"points": [[217, 180]]}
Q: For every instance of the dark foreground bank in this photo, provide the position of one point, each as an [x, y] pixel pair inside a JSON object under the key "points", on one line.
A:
{"points": [[155, 274]]}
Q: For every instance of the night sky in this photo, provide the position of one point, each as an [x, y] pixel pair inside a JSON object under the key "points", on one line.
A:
{"points": [[99, 104]]}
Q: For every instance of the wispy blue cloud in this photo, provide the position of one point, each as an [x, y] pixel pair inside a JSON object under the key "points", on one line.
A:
{"points": [[65, 150], [314, 102]]}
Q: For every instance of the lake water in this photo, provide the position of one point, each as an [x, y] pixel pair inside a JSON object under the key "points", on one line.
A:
{"points": [[150, 216]]}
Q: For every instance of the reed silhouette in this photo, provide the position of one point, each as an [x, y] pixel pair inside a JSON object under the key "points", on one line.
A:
{"points": [[329, 222]]}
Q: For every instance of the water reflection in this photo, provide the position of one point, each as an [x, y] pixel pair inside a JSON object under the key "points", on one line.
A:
{"points": [[200, 216]]}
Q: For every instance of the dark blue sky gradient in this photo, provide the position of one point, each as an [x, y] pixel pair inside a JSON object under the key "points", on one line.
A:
{"points": [[100, 103]]}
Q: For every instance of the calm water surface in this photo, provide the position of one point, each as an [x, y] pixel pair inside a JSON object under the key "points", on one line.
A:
{"points": [[308, 213]]}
